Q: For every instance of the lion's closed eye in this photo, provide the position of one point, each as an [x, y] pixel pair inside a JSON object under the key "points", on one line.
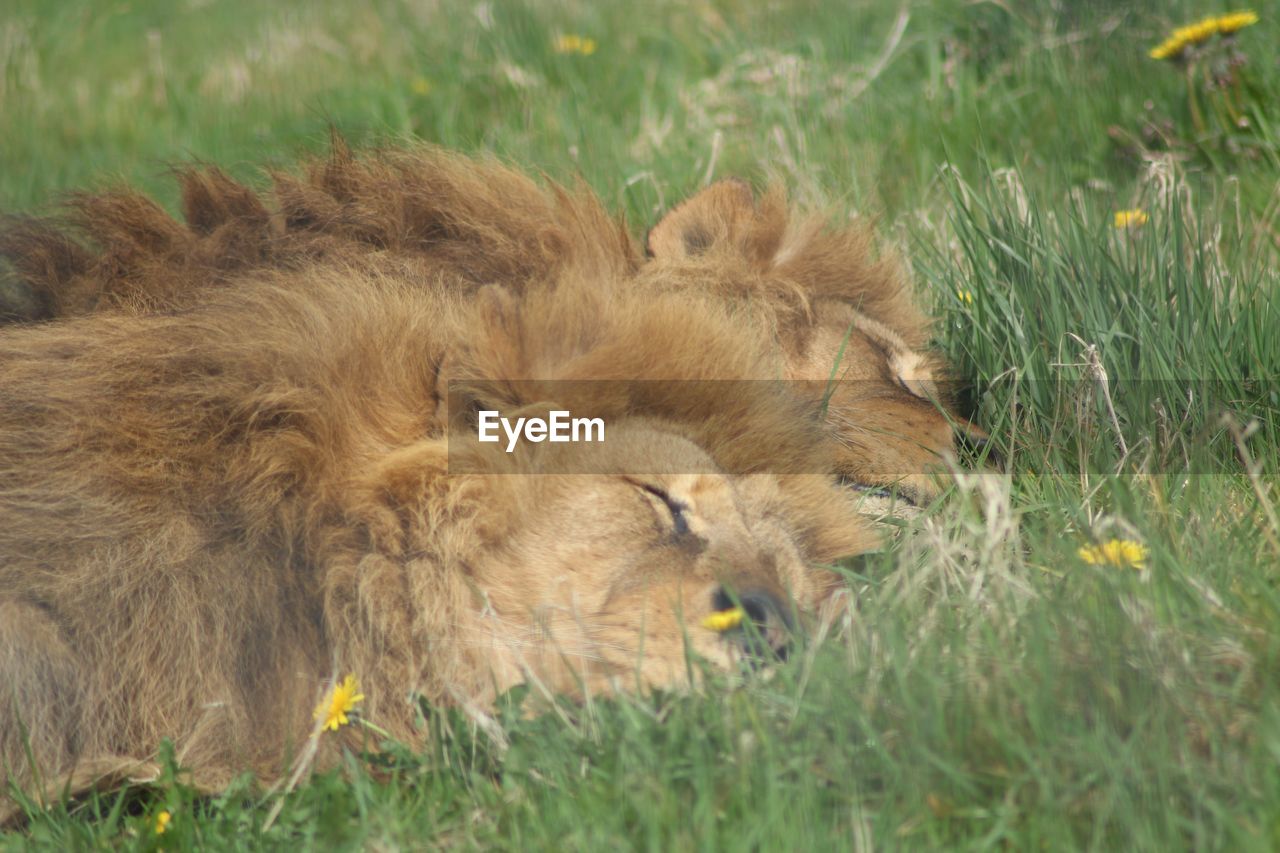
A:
{"points": [[913, 374], [675, 508]]}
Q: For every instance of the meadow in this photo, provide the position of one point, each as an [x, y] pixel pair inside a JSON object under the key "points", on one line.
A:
{"points": [[1078, 653]]}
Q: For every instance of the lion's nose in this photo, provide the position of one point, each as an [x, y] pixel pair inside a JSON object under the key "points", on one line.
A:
{"points": [[762, 624]]}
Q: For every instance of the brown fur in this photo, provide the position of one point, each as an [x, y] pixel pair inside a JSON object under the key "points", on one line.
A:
{"points": [[213, 505], [843, 317], [421, 212], [832, 307]]}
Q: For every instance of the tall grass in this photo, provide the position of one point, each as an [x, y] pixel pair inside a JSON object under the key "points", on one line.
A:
{"points": [[1124, 349], [988, 688]]}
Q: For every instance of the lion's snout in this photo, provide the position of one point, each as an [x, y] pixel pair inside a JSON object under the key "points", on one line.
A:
{"points": [[767, 628]]}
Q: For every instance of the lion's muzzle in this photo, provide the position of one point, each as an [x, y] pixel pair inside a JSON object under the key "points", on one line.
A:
{"points": [[767, 628]]}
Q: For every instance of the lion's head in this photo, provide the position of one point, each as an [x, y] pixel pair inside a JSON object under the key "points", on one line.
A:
{"points": [[844, 319], [592, 566], [594, 582]]}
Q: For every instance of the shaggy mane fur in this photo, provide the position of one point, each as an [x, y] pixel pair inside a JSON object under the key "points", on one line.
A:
{"points": [[419, 212], [427, 211]]}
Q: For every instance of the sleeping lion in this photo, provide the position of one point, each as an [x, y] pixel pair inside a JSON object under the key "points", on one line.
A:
{"points": [[211, 510], [236, 454]]}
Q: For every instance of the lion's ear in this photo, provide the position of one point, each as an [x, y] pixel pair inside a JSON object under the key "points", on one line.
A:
{"points": [[721, 213]]}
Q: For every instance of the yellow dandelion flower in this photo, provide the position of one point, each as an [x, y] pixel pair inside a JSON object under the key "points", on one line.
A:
{"points": [[1236, 21], [965, 296], [162, 822], [1168, 49], [339, 703], [1185, 37], [1130, 218], [1201, 31], [420, 86], [1118, 552], [571, 43], [724, 620]]}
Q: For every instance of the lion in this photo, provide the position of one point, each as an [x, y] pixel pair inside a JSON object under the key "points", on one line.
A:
{"points": [[215, 507], [843, 317], [839, 315]]}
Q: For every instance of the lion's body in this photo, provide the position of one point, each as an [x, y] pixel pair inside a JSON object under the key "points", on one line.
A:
{"points": [[225, 475]]}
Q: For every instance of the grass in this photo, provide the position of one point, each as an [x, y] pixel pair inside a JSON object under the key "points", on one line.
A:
{"points": [[991, 689]]}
